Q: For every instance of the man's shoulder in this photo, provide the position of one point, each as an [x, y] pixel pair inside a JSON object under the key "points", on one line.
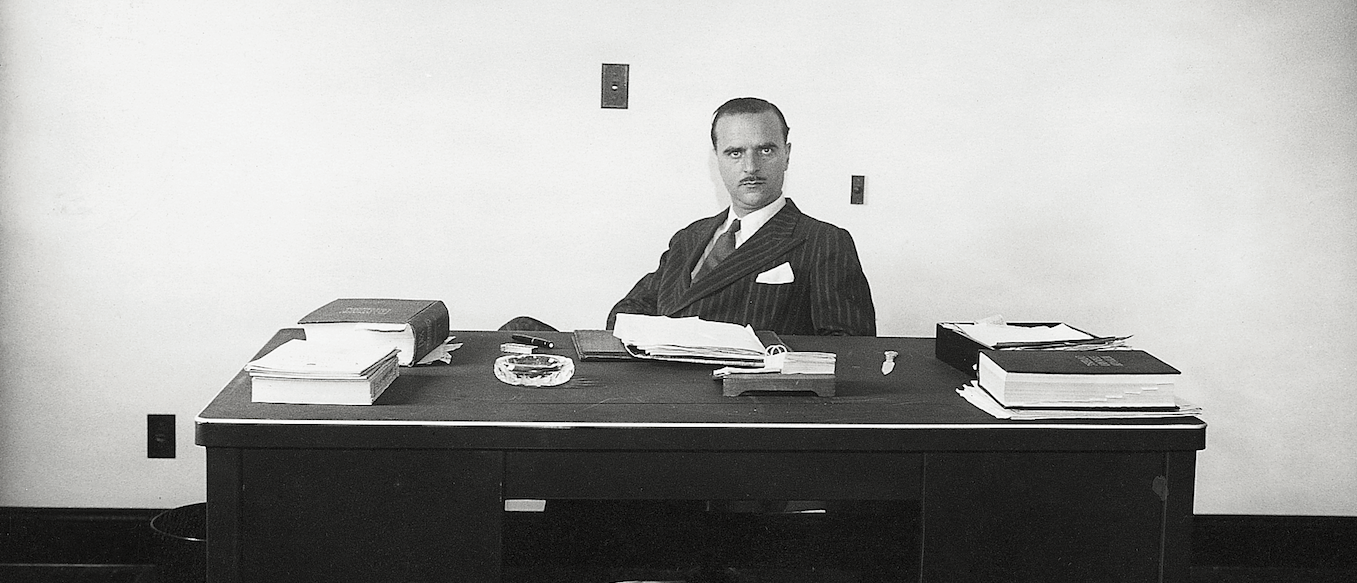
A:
{"points": [[703, 224], [808, 224], [697, 232]]}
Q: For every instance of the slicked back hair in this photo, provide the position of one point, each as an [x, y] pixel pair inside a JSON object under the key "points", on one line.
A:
{"points": [[746, 105]]}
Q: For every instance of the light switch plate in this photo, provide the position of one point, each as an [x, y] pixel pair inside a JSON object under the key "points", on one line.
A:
{"points": [[615, 80], [159, 436]]}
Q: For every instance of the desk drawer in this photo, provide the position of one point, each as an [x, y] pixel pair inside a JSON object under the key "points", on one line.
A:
{"points": [[713, 475]]}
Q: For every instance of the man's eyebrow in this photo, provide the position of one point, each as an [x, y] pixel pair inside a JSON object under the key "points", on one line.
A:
{"points": [[765, 145]]}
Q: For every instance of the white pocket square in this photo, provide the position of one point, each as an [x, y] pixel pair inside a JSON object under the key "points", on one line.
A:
{"points": [[779, 274]]}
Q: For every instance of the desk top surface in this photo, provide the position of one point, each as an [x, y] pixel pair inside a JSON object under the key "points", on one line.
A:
{"points": [[465, 399]]}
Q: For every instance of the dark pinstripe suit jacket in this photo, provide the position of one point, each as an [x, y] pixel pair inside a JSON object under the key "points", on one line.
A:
{"points": [[828, 293]]}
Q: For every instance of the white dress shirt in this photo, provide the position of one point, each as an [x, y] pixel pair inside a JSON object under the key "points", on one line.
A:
{"points": [[749, 224]]}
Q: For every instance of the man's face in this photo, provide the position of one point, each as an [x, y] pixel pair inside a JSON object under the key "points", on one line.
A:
{"points": [[752, 157]]}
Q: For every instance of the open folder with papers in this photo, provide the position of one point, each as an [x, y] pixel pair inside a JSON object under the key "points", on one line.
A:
{"points": [[693, 340]]}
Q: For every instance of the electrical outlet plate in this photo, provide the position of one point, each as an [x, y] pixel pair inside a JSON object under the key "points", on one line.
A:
{"points": [[858, 189], [159, 436], [615, 86]]}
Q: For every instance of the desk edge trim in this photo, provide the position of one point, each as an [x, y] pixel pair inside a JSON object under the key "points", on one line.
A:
{"points": [[618, 425]]}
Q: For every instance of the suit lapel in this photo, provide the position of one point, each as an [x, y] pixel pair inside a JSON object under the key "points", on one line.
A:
{"points": [[772, 240], [689, 252]]}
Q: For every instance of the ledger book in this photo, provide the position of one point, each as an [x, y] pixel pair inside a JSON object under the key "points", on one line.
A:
{"points": [[1077, 378], [414, 327]]}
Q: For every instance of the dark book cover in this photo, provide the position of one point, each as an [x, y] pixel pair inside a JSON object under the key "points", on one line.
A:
{"points": [[389, 311], [1079, 362], [963, 353], [599, 345], [428, 319]]}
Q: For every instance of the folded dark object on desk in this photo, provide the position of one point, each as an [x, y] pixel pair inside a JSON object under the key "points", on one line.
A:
{"points": [[599, 345]]}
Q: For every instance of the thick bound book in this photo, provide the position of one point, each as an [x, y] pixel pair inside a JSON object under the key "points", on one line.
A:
{"points": [[1077, 378], [415, 327], [1101, 363]]}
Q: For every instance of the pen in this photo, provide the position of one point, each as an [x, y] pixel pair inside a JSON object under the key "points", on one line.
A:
{"points": [[533, 340]]}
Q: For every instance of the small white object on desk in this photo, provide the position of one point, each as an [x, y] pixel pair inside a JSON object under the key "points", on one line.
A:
{"points": [[889, 364], [516, 348]]}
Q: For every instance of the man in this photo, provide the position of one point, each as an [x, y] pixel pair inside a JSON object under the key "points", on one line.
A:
{"points": [[777, 269]]}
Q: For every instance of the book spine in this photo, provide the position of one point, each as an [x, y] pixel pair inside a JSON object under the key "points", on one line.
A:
{"points": [[430, 326]]}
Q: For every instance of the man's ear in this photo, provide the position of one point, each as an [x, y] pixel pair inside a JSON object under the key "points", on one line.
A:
{"points": [[788, 158]]}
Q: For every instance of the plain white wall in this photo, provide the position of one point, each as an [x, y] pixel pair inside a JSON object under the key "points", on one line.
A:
{"points": [[181, 179]]}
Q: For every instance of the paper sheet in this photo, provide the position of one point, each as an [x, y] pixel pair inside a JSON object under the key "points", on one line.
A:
{"points": [[983, 401], [992, 334], [662, 335]]}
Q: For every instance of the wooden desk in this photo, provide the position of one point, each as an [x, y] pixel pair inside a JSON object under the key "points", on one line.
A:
{"points": [[412, 488]]}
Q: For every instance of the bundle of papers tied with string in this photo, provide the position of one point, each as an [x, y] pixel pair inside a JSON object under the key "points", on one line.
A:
{"points": [[803, 363]]}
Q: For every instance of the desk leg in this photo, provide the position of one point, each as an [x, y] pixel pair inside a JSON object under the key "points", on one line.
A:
{"points": [[1181, 473], [1042, 517], [355, 515], [223, 514]]}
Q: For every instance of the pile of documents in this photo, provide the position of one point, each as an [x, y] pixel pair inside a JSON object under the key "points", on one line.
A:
{"points": [[306, 372], [748, 364], [1051, 370], [689, 340]]}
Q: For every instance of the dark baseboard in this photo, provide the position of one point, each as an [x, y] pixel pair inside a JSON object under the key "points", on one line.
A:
{"points": [[1271, 541], [119, 536], [76, 536], [79, 574]]}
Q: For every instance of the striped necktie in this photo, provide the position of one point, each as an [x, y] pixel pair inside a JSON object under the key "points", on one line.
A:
{"points": [[725, 245]]}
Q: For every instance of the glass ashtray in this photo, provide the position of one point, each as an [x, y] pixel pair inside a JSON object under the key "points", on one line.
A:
{"points": [[534, 370]]}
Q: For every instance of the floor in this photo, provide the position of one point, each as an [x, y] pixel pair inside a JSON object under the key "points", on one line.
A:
{"points": [[1225, 550], [78, 574], [146, 574]]}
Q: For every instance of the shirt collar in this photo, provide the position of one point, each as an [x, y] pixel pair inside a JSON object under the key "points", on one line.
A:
{"points": [[750, 223]]}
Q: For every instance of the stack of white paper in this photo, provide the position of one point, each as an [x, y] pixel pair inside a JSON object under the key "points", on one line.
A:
{"points": [[983, 401], [994, 334], [689, 339]]}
